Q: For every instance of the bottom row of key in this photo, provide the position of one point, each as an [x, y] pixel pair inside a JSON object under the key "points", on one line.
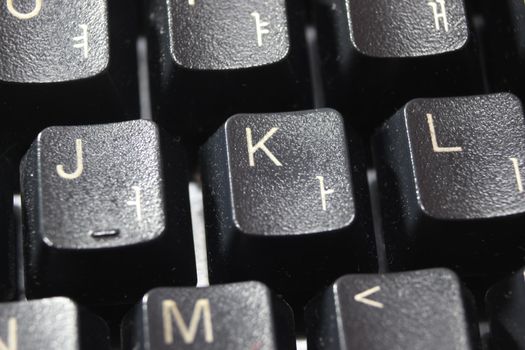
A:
{"points": [[426, 309]]}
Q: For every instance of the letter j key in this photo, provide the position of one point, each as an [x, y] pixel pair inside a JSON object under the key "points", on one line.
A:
{"points": [[451, 172], [284, 198], [95, 202]]}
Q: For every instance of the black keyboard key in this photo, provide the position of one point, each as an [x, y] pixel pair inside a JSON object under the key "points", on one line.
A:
{"points": [[212, 59], [249, 41], [413, 310], [450, 174], [506, 309], [60, 60], [108, 203], [377, 55], [8, 242], [55, 323], [236, 316], [285, 203]]}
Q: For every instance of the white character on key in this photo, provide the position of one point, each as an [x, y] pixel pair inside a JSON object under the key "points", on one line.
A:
{"points": [[440, 13], [137, 202], [171, 316], [260, 27], [260, 146], [324, 191], [12, 338], [517, 173], [80, 164], [364, 298], [433, 138], [81, 41], [36, 10]]}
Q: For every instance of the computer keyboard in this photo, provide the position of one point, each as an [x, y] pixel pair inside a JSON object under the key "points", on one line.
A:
{"points": [[262, 174]]}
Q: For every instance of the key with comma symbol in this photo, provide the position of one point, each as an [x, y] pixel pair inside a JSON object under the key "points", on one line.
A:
{"points": [[426, 309]]}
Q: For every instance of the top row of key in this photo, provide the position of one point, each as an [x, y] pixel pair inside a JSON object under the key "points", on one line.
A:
{"points": [[202, 35], [257, 62], [81, 35]]}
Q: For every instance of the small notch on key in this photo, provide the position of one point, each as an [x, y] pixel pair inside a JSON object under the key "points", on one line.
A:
{"points": [[104, 233]]}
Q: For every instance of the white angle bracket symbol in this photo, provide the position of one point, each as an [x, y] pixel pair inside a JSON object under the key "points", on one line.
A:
{"points": [[363, 298]]}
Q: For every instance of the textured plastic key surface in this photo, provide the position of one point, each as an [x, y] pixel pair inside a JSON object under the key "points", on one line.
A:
{"points": [[55, 323], [450, 176], [413, 310], [53, 41], [506, 309], [236, 316], [284, 202], [469, 172], [90, 192], [296, 177], [228, 34], [381, 28], [121, 164]]}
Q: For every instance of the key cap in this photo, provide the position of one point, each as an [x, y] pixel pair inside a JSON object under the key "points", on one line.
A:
{"points": [[235, 316], [67, 62], [505, 43], [506, 309], [412, 310], [212, 59], [377, 55], [285, 202], [450, 175], [96, 201], [8, 243], [55, 323]]}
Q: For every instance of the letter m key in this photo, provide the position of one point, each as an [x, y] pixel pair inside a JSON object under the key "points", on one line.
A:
{"points": [[171, 315]]}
